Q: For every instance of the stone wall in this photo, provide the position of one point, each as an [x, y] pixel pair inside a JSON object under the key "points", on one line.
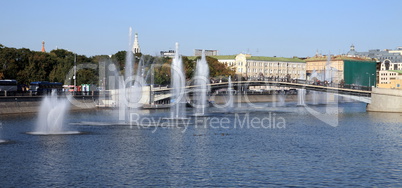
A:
{"points": [[18, 105], [385, 100]]}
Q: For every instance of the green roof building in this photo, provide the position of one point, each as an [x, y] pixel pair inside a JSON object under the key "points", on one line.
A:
{"points": [[257, 67]]}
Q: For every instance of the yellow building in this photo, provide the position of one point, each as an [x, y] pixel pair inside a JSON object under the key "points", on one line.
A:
{"points": [[390, 79], [257, 67], [327, 69]]}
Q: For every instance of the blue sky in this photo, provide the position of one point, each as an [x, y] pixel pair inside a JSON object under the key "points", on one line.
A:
{"points": [[261, 27]]}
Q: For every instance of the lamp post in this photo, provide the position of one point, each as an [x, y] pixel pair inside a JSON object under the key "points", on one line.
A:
{"points": [[287, 72], [369, 75], [75, 73], [278, 71]]}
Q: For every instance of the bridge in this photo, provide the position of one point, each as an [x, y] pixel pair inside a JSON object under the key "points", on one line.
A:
{"points": [[243, 88]]}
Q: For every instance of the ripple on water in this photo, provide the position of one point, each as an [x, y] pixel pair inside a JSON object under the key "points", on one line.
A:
{"points": [[55, 133]]}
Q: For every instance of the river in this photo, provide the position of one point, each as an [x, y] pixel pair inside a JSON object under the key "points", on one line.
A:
{"points": [[260, 146]]}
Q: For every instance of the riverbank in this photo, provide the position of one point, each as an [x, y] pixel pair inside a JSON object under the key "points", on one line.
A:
{"points": [[26, 105]]}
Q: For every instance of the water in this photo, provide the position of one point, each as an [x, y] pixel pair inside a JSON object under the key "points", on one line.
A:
{"points": [[1, 126], [328, 71], [281, 99], [365, 150], [314, 96], [178, 87], [230, 101], [201, 80], [50, 120], [315, 75], [128, 89], [301, 95]]}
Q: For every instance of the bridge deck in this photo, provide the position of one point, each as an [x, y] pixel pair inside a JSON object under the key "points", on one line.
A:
{"points": [[354, 92]]}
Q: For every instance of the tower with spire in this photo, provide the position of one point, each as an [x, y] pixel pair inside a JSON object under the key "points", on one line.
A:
{"points": [[43, 46], [352, 51], [136, 46]]}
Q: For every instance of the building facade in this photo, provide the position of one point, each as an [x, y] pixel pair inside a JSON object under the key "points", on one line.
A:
{"points": [[260, 67], [198, 52], [388, 59], [391, 79], [169, 53], [341, 70], [136, 46]]}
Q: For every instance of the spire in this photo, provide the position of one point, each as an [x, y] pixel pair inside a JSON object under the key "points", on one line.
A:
{"points": [[352, 48], [136, 46], [43, 46]]}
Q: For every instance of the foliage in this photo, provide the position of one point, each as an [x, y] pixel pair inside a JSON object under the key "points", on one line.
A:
{"points": [[27, 66]]}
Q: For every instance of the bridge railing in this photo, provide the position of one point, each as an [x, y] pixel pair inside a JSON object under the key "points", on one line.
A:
{"points": [[60, 93]]}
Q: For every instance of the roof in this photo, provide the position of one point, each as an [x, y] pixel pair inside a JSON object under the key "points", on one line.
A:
{"points": [[260, 58], [397, 71], [335, 58], [263, 58], [224, 57]]}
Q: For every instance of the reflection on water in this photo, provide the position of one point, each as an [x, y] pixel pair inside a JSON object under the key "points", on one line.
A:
{"points": [[365, 149]]}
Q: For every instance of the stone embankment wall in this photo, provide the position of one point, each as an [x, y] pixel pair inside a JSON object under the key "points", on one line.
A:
{"points": [[17, 105], [385, 100]]}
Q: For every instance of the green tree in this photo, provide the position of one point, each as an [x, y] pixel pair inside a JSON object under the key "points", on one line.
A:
{"points": [[162, 72], [120, 58], [87, 76]]}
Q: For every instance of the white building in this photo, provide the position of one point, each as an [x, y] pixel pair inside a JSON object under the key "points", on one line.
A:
{"points": [[198, 52], [257, 67], [136, 45]]}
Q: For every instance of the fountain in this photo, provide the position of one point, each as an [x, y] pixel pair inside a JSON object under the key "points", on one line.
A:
{"points": [[314, 96], [130, 87], [129, 66], [301, 94], [178, 87], [278, 98], [281, 99], [1, 141], [328, 70], [51, 116], [230, 101], [201, 81]]}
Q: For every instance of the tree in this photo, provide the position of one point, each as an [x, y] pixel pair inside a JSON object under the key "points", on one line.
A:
{"points": [[87, 76], [61, 53], [189, 67], [217, 69], [120, 57], [162, 74]]}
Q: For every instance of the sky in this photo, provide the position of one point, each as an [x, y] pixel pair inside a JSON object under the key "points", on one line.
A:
{"points": [[284, 28]]}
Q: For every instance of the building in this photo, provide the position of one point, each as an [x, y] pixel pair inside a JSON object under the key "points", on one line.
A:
{"points": [[388, 59], [390, 79], [136, 46], [43, 46], [169, 53], [259, 67], [198, 52], [341, 70]]}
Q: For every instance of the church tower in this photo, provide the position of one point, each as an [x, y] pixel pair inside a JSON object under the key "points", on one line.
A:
{"points": [[352, 51], [136, 46], [43, 46], [352, 48]]}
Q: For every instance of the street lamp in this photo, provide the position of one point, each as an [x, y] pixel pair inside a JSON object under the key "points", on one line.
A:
{"points": [[278, 71], [75, 73], [369, 75]]}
